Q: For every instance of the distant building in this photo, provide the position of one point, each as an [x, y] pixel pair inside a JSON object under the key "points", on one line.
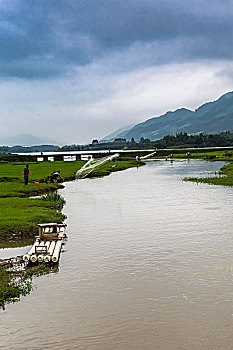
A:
{"points": [[95, 142]]}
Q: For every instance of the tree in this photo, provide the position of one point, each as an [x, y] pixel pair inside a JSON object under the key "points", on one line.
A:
{"points": [[141, 139]]}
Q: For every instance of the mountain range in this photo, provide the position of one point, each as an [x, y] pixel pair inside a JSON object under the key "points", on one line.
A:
{"points": [[212, 118], [27, 140]]}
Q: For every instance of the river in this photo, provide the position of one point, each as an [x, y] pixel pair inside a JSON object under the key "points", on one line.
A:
{"points": [[148, 265]]}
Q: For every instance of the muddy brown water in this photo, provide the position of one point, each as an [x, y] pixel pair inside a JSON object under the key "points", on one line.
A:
{"points": [[148, 265]]}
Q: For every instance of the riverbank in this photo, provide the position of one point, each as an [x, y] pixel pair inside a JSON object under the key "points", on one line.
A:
{"points": [[223, 178], [214, 154], [20, 214]]}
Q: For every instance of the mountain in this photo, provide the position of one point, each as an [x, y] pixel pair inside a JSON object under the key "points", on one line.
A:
{"points": [[212, 118], [26, 140]]}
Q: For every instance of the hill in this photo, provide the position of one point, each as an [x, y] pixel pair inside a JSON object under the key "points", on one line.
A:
{"points": [[27, 140], [212, 118]]}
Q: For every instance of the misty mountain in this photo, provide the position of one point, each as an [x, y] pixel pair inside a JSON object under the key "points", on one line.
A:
{"points": [[27, 140], [117, 132], [212, 118]]}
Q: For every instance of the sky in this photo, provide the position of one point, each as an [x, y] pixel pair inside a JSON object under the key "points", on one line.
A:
{"points": [[74, 70]]}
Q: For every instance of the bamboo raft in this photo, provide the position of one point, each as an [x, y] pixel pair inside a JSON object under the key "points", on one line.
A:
{"points": [[47, 246]]}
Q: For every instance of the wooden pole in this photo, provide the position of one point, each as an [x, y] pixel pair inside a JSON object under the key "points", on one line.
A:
{"points": [[56, 252], [40, 257], [47, 257], [50, 249]]}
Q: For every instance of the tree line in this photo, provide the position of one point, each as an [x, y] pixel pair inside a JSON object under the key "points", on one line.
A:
{"points": [[179, 140]]}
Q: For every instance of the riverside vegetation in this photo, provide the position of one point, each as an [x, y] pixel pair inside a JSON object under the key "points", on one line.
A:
{"points": [[20, 214], [223, 178], [12, 287], [15, 283]]}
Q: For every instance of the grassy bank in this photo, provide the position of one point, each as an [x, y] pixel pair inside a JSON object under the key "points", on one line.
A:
{"points": [[19, 214], [11, 177], [206, 155], [224, 178]]}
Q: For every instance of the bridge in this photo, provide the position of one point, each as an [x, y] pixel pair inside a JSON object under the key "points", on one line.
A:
{"points": [[96, 154], [79, 155]]}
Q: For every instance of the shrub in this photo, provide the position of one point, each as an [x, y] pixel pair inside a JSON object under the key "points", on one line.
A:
{"points": [[56, 198]]}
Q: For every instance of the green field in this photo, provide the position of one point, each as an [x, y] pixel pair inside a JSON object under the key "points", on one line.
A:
{"points": [[12, 182], [19, 215], [39, 170]]}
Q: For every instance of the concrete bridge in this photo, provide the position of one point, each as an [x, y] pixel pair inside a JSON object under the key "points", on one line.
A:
{"points": [[78, 155]]}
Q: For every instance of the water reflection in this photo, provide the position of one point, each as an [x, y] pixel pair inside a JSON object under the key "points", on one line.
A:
{"points": [[148, 265]]}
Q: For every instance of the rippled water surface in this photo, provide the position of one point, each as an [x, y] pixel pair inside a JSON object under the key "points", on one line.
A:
{"points": [[148, 265]]}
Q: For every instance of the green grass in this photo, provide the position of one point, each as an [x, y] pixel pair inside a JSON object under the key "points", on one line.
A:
{"points": [[19, 216], [40, 172], [18, 189], [224, 178], [54, 198]]}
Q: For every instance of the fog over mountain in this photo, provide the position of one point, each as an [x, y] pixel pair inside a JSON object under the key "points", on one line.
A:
{"points": [[210, 118], [27, 140], [117, 132]]}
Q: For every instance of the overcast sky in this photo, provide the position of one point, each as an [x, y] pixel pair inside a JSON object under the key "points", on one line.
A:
{"points": [[74, 70]]}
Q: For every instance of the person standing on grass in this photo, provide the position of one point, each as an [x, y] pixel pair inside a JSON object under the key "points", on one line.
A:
{"points": [[26, 172]]}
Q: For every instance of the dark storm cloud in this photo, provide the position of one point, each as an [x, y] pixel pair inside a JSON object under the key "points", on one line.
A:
{"points": [[44, 38]]}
